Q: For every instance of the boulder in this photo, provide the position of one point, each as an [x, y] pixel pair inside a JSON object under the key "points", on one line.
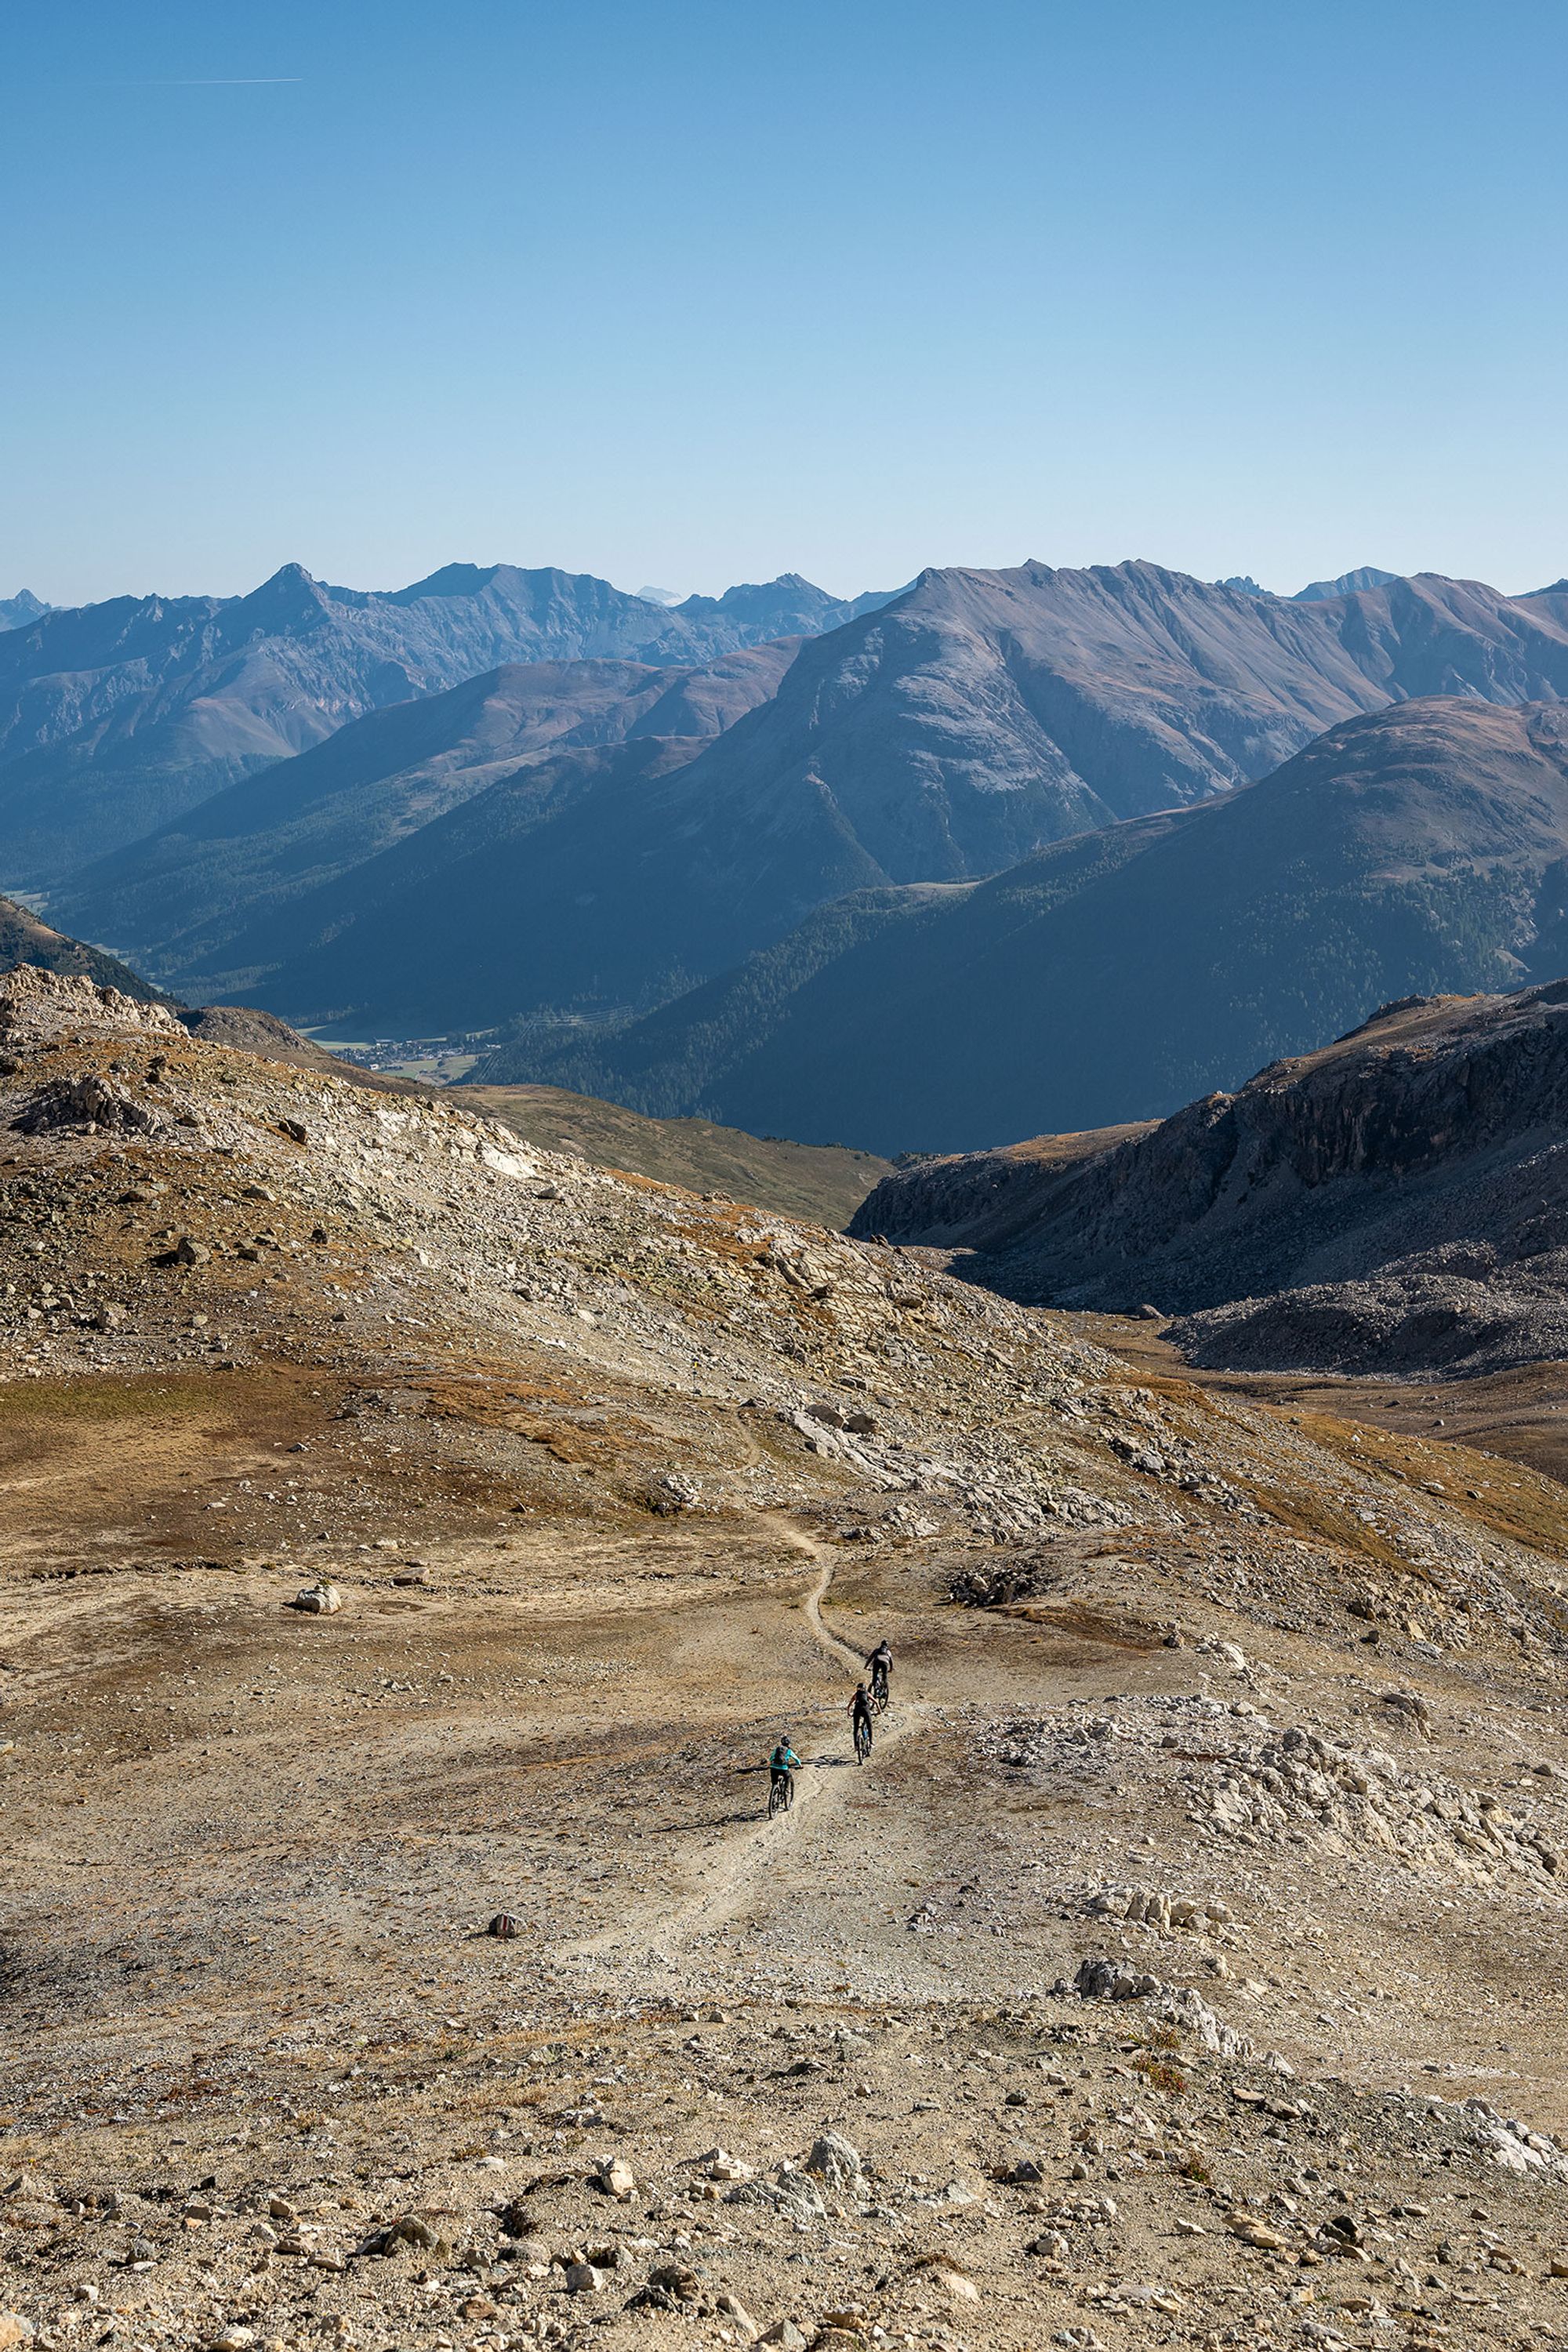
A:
{"points": [[833, 2159], [614, 2178], [321, 1599]]}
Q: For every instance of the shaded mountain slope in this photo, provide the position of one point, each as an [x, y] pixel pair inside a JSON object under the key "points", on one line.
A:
{"points": [[181, 895], [116, 717], [1397, 1201], [484, 909], [15, 612], [942, 738], [1113, 977], [24, 938]]}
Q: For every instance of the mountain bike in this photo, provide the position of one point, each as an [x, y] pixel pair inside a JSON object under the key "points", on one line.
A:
{"points": [[781, 1796], [862, 1742]]}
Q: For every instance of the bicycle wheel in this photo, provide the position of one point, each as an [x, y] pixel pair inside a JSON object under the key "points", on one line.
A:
{"points": [[775, 1798], [862, 1742]]}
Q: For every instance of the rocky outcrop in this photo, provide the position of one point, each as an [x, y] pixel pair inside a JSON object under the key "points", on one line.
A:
{"points": [[26, 939], [1399, 1199]]}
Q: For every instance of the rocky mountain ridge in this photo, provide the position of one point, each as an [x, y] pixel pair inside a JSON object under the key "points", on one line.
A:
{"points": [[116, 717], [1397, 1201], [937, 740]]}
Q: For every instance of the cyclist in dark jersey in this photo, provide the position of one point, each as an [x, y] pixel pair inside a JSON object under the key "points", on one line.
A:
{"points": [[860, 1718], [881, 1665]]}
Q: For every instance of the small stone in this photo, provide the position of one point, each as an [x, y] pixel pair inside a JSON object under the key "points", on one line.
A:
{"points": [[614, 2178], [785, 2334], [955, 2283], [15, 2329], [582, 2278], [233, 2338]]}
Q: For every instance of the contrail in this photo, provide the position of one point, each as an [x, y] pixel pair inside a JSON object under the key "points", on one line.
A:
{"points": [[223, 82]]}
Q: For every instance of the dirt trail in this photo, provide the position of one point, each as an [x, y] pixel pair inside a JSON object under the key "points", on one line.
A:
{"points": [[735, 1871]]}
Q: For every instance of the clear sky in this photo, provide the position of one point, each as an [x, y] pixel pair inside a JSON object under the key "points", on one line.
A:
{"points": [[687, 293]]}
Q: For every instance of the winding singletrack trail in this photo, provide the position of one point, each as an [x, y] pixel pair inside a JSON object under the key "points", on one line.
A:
{"points": [[754, 1866]]}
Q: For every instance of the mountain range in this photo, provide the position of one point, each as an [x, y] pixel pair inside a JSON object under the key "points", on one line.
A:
{"points": [[1367, 575], [1112, 976], [117, 717], [970, 861], [1396, 1202], [210, 893], [938, 739]]}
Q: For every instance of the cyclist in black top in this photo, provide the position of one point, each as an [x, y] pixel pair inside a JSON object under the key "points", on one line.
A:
{"points": [[881, 1664], [860, 1718]]}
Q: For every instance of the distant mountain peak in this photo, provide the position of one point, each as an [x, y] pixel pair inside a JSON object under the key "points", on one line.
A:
{"points": [[1317, 591], [1243, 584], [665, 596], [290, 594], [451, 579]]}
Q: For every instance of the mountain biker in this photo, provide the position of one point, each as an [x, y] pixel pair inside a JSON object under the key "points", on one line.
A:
{"points": [[881, 1664], [860, 1715], [781, 1763]]}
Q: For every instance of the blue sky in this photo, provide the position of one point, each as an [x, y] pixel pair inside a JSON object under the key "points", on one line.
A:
{"points": [[690, 293]]}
